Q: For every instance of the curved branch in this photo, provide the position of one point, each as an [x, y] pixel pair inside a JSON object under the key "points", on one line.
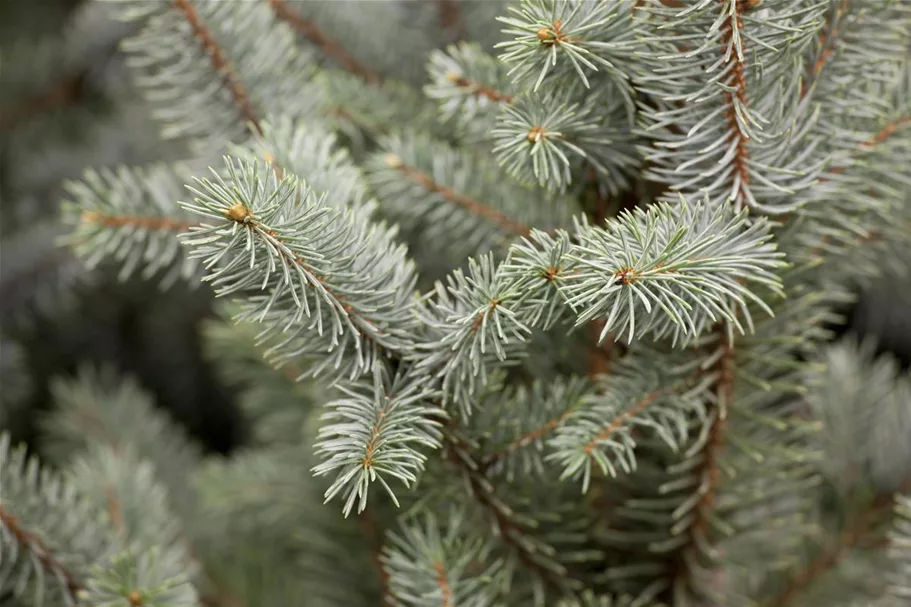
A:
{"points": [[479, 90], [826, 41], [242, 215], [45, 557], [162, 224], [526, 439], [469, 204], [443, 583], [221, 65], [329, 46], [858, 534], [483, 492], [619, 421], [58, 95], [737, 81]]}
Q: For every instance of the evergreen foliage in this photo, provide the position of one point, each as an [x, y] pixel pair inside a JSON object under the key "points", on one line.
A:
{"points": [[524, 303]]}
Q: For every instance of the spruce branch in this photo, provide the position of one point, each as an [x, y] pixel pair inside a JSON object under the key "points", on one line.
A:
{"points": [[45, 557], [827, 41], [533, 553], [470, 86], [130, 215], [740, 135], [331, 48], [150, 579], [691, 262], [137, 502], [582, 34], [668, 271], [220, 64], [375, 432], [301, 266], [445, 567], [534, 415], [470, 205], [864, 528], [701, 528], [602, 431], [49, 535], [549, 138], [98, 408], [736, 99], [201, 65], [456, 198]]}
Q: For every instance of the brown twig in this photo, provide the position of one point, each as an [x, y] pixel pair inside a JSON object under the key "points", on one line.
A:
{"points": [[526, 439], [861, 533], [460, 454], [443, 583], [469, 204], [250, 221], [115, 510], [710, 469], [319, 38], [724, 385], [58, 95], [826, 39], [163, 224], [478, 89], [221, 65], [622, 419], [42, 552], [736, 80], [450, 17]]}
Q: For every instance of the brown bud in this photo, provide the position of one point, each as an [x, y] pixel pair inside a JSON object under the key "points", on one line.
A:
{"points": [[393, 161], [535, 135], [135, 599], [238, 212]]}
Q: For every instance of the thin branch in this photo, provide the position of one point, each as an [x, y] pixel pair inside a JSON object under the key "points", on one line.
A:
{"points": [[115, 510], [483, 491], [60, 94], [443, 583], [245, 217], [622, 419], [860, 534], [710, 469], [36, 546], [469, 204], [737, 81], [329, 46], [161, 224], [826, 48], [526, 439], [600, 355], [478, 89], [880, 137], [221, 65], [886, 132]]}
